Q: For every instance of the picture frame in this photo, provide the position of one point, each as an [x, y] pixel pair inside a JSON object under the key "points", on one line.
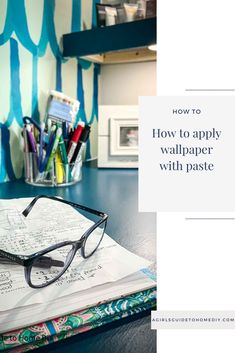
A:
{"points": [[118, 136], [123, 136]]}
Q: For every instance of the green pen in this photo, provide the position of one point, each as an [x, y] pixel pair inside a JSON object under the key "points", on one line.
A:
{"points": [[56, 142], [64, 158]]}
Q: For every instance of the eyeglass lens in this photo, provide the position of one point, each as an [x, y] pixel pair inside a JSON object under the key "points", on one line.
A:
{"points": [[49, 266], [94, 239]]}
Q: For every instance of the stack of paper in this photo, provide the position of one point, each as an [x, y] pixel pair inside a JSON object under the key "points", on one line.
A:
{"points": [[110, 274]]}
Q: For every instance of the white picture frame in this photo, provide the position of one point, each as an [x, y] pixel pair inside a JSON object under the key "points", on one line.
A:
{"points": [[113, 151], [124, 136]]}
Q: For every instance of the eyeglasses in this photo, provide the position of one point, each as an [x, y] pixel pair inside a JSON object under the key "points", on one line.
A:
{"points": [[47, 266]]}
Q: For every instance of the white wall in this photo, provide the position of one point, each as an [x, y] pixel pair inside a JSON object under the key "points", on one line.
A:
{"points": [[122, 84]]}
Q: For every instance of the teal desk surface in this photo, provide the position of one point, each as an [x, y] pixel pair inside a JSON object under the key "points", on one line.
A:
{"points": [[115, 192]]}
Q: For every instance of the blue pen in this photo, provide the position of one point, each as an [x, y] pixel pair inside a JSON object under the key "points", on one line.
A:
{"points": [[65, 130], [48, 152]]}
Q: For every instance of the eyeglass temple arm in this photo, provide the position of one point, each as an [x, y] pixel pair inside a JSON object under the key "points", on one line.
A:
{"points": [[84, 208], [42, 262], [6, 257]]}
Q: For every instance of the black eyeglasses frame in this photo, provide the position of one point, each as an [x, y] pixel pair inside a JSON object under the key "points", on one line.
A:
{"points": [[29, 260]]}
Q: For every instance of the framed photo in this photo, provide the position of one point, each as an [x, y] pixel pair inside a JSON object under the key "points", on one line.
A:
{"points": [[124, 137], [118, 136]]}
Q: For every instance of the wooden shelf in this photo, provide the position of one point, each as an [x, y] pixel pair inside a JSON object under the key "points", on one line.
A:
{"points": [[122, 57], [112, 44]]}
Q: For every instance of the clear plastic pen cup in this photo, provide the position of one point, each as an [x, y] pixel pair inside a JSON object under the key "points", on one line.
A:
{"points": [[58, 174]]}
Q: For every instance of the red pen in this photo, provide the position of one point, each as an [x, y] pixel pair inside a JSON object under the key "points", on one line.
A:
{"points": [[74, 140]]}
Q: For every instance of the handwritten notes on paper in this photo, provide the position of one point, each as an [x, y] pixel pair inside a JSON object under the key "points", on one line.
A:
{"points": [[49, 223]]}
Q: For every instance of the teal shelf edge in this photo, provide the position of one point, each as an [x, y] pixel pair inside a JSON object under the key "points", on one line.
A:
{"points": [[101, 40]]}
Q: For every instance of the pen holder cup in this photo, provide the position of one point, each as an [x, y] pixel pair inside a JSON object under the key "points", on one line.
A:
{"points": [[57, 174]]}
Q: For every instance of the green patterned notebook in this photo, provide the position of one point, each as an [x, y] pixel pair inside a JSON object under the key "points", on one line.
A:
{"points": [[35, 336]]}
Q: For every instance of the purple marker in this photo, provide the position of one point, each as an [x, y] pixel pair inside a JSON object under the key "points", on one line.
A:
{"points": [[31, 139]]}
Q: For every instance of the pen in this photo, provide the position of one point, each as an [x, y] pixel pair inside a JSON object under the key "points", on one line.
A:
{"points": [[53, 129], [65, 130], [54, 148], [74, 140], [46, 136], [48, 152], [31, 137]]}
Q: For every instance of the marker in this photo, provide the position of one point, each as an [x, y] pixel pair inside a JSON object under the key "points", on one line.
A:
{"points": [[74, 140], [31, 139], [64, 158], [40, 129], [54, 148], [70, 132], [59, 169], [83, 139]]}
